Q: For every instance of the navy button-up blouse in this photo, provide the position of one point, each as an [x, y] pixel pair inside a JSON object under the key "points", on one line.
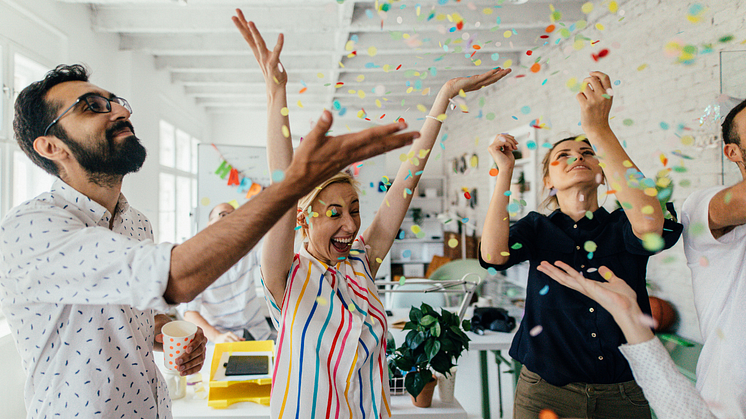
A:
{"points": [[579, 339]]}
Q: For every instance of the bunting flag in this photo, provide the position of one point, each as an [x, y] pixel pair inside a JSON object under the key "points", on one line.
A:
{"points": [[236, 177]]}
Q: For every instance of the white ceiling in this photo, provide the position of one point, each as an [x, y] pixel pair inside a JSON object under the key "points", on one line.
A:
{"points": [[196, 42]]}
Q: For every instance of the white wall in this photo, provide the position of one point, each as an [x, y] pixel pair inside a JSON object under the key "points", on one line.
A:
{"points": [[663, 91], [61, 33]]}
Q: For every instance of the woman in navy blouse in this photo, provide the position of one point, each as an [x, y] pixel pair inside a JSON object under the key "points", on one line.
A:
{"points": [[567, 343]]}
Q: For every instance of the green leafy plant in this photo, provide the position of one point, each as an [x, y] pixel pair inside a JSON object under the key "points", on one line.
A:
{"points": [[435, 341]]}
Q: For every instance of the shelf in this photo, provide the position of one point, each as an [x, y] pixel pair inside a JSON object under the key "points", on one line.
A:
{"points": [[402, 262], [418, 241]]}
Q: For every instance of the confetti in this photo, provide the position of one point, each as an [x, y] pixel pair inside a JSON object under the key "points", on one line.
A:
{"points": [[544, 290], [516, 246], [547, 414], [652, 242], [590, 246], [526, 110], [321, 300], [278, 176], [535, 68], [452, 243], [285, 131], [493, 172], [402, 280], [535, 330], [505, 254], [284, 111], [704, 262]]}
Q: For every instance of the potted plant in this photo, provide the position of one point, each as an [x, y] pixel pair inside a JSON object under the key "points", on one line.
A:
{"points": [[434, 342]]}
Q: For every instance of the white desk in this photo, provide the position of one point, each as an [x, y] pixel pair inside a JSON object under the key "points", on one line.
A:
{"points": [[194, 406], [490, 341]]}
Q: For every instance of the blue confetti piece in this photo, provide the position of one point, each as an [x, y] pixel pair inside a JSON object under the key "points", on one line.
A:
{"points": [[495, 56], [617, 82], [342, 111], [514, 117], [354, 38], [401, 234], [406, 254], [546, 145], [492, 271], [544, 290], [453, 29], [664, 125], [526, 110], [498, 20], [590, 255], [531, 145], [336, 105], [544, 82], [369, 13], [297, 228]]}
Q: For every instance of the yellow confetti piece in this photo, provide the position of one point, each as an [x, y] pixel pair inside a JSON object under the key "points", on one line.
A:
{"points": [[416, 229], [651, 192], [507, 34], [321, 300], [379, 260], [423, 153], [572, 82], [478, 62], [578, 44], [442, 117], [360, 77], [361, 94], [642, 67], [647, 210], [349, 45], [300, 104], [504, 253], [627, 163], [372, 51], [600, 27], [421, 108], [378, 103], [607, 275], [387, 202], [488, 257], [320, 75], [687, 140], [590, 246], [508, 64], [452, 243], [284, 111], [329, 213], [361, 114], [613, 7], [652, 242], [487, 11], [587, 8], [285, 131], [602, 165]]}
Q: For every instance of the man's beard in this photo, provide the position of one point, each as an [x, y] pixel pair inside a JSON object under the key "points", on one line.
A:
{"points": [[106, 162]]}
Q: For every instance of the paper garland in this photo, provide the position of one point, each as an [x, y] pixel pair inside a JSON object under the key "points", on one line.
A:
{"points": [[236, 177]]}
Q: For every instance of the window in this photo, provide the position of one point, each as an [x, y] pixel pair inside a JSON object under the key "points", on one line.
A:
{"points": [[178, 180]]}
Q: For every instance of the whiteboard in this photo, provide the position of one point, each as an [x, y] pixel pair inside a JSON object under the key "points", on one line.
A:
{"points": [[251, 162]]}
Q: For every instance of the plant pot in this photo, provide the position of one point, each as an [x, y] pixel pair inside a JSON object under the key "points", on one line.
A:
{"points": [[425, 398], [447, 385]]}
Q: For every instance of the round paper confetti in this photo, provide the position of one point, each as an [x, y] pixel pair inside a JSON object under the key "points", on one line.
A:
{"points": [[526, 110], [547, 414], [587, 8], [278, 176], [544, 290], [652, 242], [535, 330], [590, 246], [452, 243], [205, 201], [321, 300], [284, 111]]}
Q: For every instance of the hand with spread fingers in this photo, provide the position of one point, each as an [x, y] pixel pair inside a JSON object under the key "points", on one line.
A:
{"points": [[595, 103], [615, 295], [468, 84], [501, 150], [269, 61]]}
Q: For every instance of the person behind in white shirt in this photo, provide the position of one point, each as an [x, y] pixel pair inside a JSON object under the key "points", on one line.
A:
{"points": [[670, 394], [229, 310], [81, 280], [715, 245]]}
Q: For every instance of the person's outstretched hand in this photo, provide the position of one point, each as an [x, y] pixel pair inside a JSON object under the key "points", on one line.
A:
{"points": [[269, 61], [320, 156], [453, 86], [595, 103], [614, 295]]}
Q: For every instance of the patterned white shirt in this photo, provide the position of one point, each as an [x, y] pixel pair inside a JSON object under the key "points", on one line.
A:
{"points": [[231, 303], [80, 301], [331, 344], [670, 394]]}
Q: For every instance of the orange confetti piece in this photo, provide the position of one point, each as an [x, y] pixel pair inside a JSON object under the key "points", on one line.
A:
{"points": [[493, 172], [610, 192], [536, 68], [476, 47], [550, 29], [554, 163], [303, 90], [547, 414]]}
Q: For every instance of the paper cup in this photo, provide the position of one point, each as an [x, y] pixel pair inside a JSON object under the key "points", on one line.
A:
{"points": [[176, 336]]}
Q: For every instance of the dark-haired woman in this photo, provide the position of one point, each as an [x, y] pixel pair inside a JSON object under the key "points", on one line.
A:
{"points": [[567, 343]]}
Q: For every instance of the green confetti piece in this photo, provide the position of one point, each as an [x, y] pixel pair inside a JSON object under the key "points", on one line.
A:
{"points": [[652, 242], [516, 246], [590, 246], [589, 215], [728, 197], [402, 280]]}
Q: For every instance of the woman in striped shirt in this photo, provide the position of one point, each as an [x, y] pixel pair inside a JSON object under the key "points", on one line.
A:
{"points": [[331, 345]]}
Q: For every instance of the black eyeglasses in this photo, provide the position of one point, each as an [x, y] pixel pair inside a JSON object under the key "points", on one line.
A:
{"points": [[96, 103]]}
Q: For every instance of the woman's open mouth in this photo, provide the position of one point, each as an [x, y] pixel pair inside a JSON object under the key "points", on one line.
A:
{"points": [[342, 245]]}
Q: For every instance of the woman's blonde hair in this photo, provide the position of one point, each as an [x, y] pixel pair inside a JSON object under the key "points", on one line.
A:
{"points": [[305, 202], [550, 203]]}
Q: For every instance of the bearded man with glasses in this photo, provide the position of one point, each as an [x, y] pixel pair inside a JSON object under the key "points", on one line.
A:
{"points": [[81, 281]]}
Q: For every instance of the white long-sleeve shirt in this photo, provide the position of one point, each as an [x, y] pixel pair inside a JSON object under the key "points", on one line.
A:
{"points": [[80, 301], [670, 394]]}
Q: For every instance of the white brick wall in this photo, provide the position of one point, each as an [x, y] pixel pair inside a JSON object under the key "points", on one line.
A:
{"points": [[663, 92]]}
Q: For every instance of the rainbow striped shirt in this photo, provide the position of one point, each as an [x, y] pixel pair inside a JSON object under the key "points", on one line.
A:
{"points": [[331, 345]]}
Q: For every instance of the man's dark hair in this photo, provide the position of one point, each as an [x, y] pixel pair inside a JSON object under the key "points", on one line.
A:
{"points": [[730, 132], [33, 113]]}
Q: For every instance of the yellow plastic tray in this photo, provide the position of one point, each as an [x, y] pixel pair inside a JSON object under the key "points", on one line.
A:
{"points": [[225, 393]]}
